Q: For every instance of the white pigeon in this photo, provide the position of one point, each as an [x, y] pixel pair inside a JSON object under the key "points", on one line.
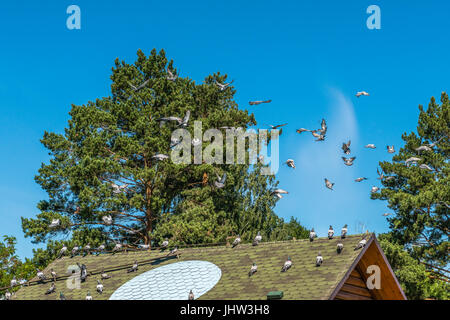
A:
{"points": [[390, 149], [277, 192], [348, 161], [425, 166], [370, 146], [412, 159], [223, 86], [330, 232], [165, 243], [99, 287], [423, 148], [107, 220], [40, 275], [88, 296], [290, 163], [253, 270], [328, 184], [319, 259], [62, 251], [362, 93], [374, 189], [55, 223], [117, 247], [75, 250], [361, 244], [339, 247]]}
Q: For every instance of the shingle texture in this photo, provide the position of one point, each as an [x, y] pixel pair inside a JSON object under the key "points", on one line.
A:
{"points": [[302, 281]]}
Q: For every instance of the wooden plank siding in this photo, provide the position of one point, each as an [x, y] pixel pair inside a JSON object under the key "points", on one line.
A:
{"points": [[354, 288]]}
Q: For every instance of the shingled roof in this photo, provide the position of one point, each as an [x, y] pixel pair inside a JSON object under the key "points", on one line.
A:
{"points": [[302, 281]]}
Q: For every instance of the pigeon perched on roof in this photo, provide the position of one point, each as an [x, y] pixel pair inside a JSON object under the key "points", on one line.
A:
{"points": [[191, 295], [412, 159], [425, 166], [83, 273], [87, 249], [339, 247], [257, 239], [301, 130], [40, 275], [220, 182], [277, 192], [88, 296], [253, 270], [361, 243], [171, 76], [370, 146], [165, 244], [312, 235], [328, 184], [160, 157], [99, 287], [346, 147], [51, 289], [62, 296], [374, 189], [319, 259], [254, 103], [144, 246], [118, 189], [330, 232], [223, 86], [362, 93], [133, 268], [55, 223], [62, 251], [173, 252], [390, 149], [142, 85], [290, 163], [236, 241], [100, 249], [53, 274], [348, 161], [107, 220], [104, 275], [360, 179], [75, 250], [287, 265], [13, 282], [344, 231]]}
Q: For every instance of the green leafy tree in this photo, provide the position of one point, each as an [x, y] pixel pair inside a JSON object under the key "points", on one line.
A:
{"points": [[417, 187], [103, 166], [417, 282]]}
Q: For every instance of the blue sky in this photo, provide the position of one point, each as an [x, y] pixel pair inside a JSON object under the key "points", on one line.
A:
{"points": [[309, 57]]}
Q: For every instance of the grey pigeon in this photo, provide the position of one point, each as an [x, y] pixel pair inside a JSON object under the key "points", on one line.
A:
{"points": [[425, 166], [165, 244], [312, 235], [118, 189], [340, 247], [51, 289], [386, 214], [53, 274], [173, 252], [374, 189], [346, 147], [253, 270], [83, 274], [75, 250], [320, 137], [277, 192], [254, 103], [55, 223], [171, 76], [134, 267], [290, 163], [412, 159], [62, 251], [390, 149], [319, 260], [257, 239], [348, 161], [107, 220], [423, 148], [344, 231], [323, 127], [287, 265], [191, 295], [370, 146], [236, 241], [361, 243], [62, 296], [99, 287], [104, 275], [360, 179], [301, 130], [328, 184], [330, 233], [138, 87]]}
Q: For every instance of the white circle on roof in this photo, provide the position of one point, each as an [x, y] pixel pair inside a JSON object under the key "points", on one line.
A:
{"points": [[171, 282]]}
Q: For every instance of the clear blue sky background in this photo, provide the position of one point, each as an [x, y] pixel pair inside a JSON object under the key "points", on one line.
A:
{"points": [[309, 57]]}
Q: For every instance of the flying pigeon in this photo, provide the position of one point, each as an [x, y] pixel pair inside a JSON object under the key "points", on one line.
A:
{"points": [[330, 233], [425, 166], [323, 128], [344, 231], [160, 157], [223, 86], [412, 159], [361, 244], [374, 189], [138, 87], [386, 214], [118, 189], [107, 220], [62, 251], [99, 287], [165, 244], [320, 137], [257, 239], [191, 295], [55, 223], [360, 179], [290, 163], [51, 289], [171, 76], [348, 161], [370, 145], [328, 184], [432, 145], [277, 126], [287, 265], [340, 247], [277, 192], [181, 122], [423, 148], [88, 296], [254, 103], [253, 270], [319, 260], [302, 130], [104, 275], [220, 183], [390, 149], [236, 241], [312, 235], [361, 93], [346, 147]]}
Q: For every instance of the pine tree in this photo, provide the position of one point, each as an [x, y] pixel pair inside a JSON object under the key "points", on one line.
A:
{"points": [[418, 190]]}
